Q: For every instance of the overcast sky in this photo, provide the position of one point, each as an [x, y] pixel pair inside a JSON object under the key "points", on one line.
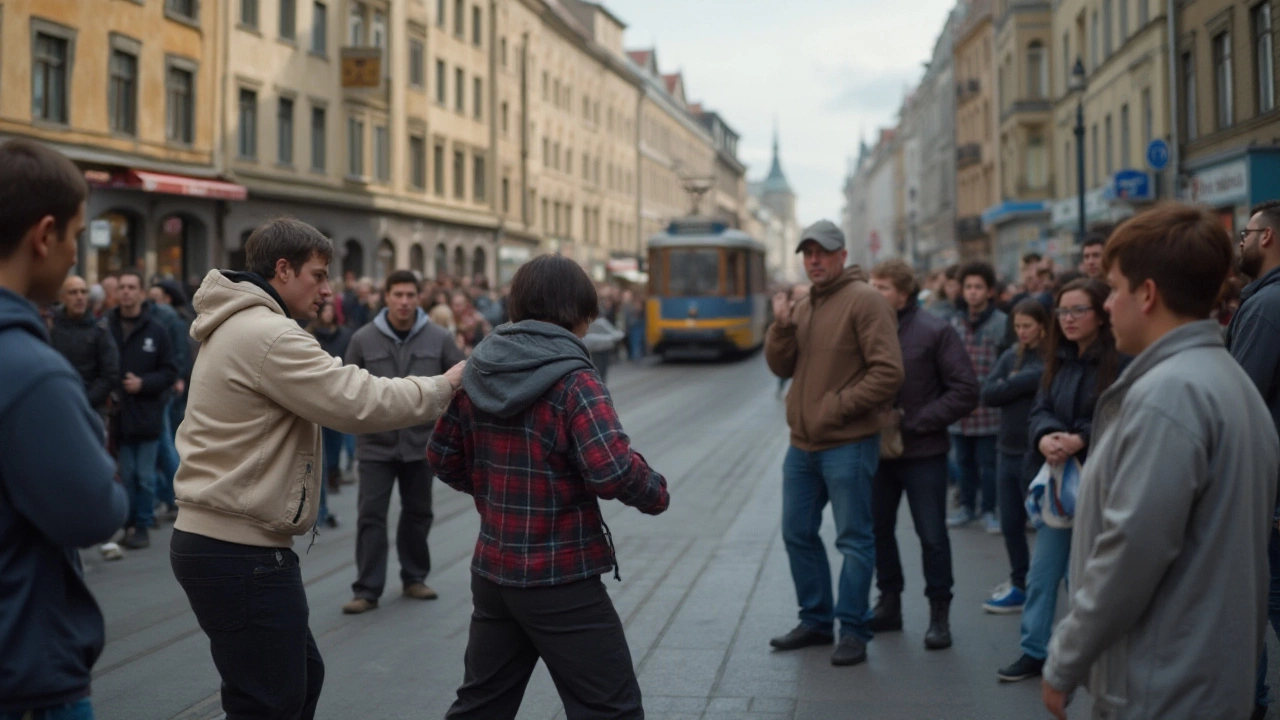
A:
{"points": [[826, 69]]}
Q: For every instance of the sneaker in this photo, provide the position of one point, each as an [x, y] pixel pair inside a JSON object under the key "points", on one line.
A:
{"points": [[1023, 668], [137, 539], [802, 636], [111, 551], [331, 521], [420, 591], [1009, 601], [850, 651], [990, 523], [359, 605], [961, 517]]}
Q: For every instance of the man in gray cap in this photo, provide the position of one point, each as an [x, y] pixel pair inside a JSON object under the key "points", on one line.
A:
{"points": [[840, 347]]}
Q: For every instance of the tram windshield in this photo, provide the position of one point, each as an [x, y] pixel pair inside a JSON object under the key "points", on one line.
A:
{"points": [[695, 271]]}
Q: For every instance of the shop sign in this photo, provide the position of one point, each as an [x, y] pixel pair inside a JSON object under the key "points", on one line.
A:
{"points": [[1221, 185], [1131, 185], [361, 67], [100, 234]]}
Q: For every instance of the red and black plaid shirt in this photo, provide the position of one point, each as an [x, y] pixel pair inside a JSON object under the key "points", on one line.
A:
{"points": [[536, 478]]}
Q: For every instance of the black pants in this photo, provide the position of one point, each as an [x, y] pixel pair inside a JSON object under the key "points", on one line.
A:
{"points": [[1012, 482], [377, 478], [251, 603], [576, 632], [925, 482]]}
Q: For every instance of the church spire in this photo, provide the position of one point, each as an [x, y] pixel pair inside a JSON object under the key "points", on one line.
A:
{"points": [[776, 182]]}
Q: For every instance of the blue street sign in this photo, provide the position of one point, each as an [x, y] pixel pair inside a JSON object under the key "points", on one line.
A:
{"points": [[1158, 155], [1130, 185]]}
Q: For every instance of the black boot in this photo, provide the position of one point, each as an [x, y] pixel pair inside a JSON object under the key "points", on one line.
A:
{"points": [[887, 615], [939, 635]]}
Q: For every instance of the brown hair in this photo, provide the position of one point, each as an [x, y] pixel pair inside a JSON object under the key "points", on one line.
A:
{"points": [[900, 274], [1270, 211], [402, 277], [1104, 345], [288, 238], [553, 289], [36, 182], [1184, 250], [1033, 309]]}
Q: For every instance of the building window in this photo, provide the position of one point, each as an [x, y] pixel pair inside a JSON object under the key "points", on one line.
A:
{"points": [[546, 152], [418, 162], [546, 217], [248, 145], [1107, 46], [50, 61], [1222, 78], [546, 84], [476, 26], [1263, 51], [440, 82], [1066, 62], [122, 98], [502, 45], [182, 8], [1144, 14], [478, 86], [180, 110], [478, 172], [1093, 42], [1124, 21], [437, 168], [459, 175], [459, 90], [284, 131], [249, 13], [1147, 118], [355, 147], [1097, 178], [381, 154], [318, 139], [417, 60], [1189, 97], [320, 29], [459, 17], [288, 19], [1111, 168], [440, 13], [1037, 71], [504, 118], [506, 195], [355, 26], [1125, 158]]}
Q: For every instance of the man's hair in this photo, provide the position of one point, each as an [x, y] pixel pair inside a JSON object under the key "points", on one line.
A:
{"points": [[900, 274], [553, 289], [401, 277], [130, 272], [36, 182], [952, 272], [288, 238], [980, 269], [1184, 250], [1270, 213], [1032, 257], [1097, 236]]}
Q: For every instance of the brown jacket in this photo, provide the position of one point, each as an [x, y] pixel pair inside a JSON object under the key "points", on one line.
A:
{"points": [[842, 350]]}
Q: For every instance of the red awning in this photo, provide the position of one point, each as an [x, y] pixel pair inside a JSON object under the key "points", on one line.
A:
{"points": [[171, 184]]}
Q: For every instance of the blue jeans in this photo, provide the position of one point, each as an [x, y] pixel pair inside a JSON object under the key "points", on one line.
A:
{"points": [[138, 474], [332, 442], [842, 475], [1263, 696], [349, 446], [1048, 570], [80, 710], [166, 460], [976, 458], [1012, 491], [635, 341]]}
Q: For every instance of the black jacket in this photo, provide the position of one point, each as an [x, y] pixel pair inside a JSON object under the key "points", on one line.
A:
{"points": [[939, 386], [56, 494], [334, 341], [1068, 405], [179, 334], [1012, 387], [88, 346], [1253, 337], [147, 354]]}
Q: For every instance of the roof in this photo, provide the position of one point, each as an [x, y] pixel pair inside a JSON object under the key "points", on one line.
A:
{"points": [[674, 83], [728, 238], [776, 181], [643, 58]]}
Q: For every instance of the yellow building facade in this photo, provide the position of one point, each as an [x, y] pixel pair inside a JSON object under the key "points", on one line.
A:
{"points": [[977, 178]]}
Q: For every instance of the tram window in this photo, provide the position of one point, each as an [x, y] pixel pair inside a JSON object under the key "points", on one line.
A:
{"points": [[756, 284], [656, 272], [733, 273], [694, 272]]}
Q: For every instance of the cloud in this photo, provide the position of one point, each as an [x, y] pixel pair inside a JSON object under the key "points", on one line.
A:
{"points": [[864, 92]]}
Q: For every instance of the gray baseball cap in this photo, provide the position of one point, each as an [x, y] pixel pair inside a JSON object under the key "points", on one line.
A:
{"points": [[825, 233]]}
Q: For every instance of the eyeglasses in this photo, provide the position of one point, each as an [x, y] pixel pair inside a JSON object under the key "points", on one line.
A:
{"points": [[1244, 234], [1075, 312]]}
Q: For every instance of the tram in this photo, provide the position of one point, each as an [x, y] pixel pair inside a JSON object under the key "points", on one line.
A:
{"points": [[707, 294]]}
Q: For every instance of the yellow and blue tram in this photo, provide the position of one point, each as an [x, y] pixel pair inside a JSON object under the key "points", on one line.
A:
{"points": [[707, 294]]}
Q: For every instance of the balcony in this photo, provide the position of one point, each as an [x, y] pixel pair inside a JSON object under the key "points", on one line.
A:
{"points": [[969, 228], [968, 154], [966, 89], [1026, 107]]}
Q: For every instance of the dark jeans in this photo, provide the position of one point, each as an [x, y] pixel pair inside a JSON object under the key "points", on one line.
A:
{"points": [[251, 604], [576, 632], [924, 480], [1011, 488], [1273, 613], [79, 710], [166, 460], [377, 478], [331, 440], [138, 473], [976, 458]]}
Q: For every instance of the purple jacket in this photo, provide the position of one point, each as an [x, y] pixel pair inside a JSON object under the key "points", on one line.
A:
{"points": [[940, 387]]}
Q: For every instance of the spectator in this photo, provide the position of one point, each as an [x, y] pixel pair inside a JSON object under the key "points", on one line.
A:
{"points": [[56, 477], [148, 372], [110, 295], [1169, 559], [471, 324], [400, 342], [441, 315], [333, 339], [165, 310]]}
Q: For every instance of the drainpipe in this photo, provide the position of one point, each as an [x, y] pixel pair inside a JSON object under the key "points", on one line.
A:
{"points": [[1175, 153]]}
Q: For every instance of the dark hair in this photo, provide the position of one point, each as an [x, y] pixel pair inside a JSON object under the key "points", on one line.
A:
{"points": [[1068, 276], [1184, 250], [553, 289], [980, 269], [402, 277], [1033, 309], [36, 182], [130, 272], [1098, 235], [1105, 344], [1032, 257], [288, 238], [952, 272], [1270, 213]]}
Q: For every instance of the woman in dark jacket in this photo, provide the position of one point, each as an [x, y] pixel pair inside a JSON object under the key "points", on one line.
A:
{"points": [[334, 338], [1081, 362], [1012, 386]]}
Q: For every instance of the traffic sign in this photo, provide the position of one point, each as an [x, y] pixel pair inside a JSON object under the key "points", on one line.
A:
{"points": [[1158, 154]]}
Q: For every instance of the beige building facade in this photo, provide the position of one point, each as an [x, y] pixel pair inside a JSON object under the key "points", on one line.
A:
{"points": [[977, 179]]}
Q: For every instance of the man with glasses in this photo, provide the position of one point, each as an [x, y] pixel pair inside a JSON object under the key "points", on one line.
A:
{"points": [[1254, 341]]}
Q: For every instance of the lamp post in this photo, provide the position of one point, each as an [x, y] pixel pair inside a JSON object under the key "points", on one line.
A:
{"points": [[1077, 85]]}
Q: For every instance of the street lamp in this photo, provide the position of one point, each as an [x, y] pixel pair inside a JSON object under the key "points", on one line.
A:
{"points": [[1077, 85]]}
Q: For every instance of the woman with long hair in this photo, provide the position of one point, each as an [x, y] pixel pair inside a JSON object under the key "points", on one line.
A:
{"points": [[1012, 387], [1081, 361]]}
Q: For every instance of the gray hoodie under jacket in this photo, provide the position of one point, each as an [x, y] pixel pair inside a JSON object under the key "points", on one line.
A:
{"points": [[518, 363]]}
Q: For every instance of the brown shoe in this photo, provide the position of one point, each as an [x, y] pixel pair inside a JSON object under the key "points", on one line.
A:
{"points": [[420, 591], [359, 605]]}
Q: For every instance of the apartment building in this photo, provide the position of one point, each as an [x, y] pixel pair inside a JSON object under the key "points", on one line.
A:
{"points": [[977, 180]]}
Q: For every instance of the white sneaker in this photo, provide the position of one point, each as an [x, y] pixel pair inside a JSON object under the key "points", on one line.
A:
{"points": [[111, 551]]}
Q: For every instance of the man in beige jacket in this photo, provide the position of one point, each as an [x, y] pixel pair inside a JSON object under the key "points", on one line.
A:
{"points": [[250, 475]]}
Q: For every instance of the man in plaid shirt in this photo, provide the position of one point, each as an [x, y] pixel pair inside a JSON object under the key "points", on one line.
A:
{"points": [[535, 439], [981, 326]]}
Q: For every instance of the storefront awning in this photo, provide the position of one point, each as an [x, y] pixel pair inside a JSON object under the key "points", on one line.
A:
{"points": [[168, 184]]}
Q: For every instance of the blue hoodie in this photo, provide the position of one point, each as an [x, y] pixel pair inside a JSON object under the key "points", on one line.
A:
{"points": [[57, 494]]}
